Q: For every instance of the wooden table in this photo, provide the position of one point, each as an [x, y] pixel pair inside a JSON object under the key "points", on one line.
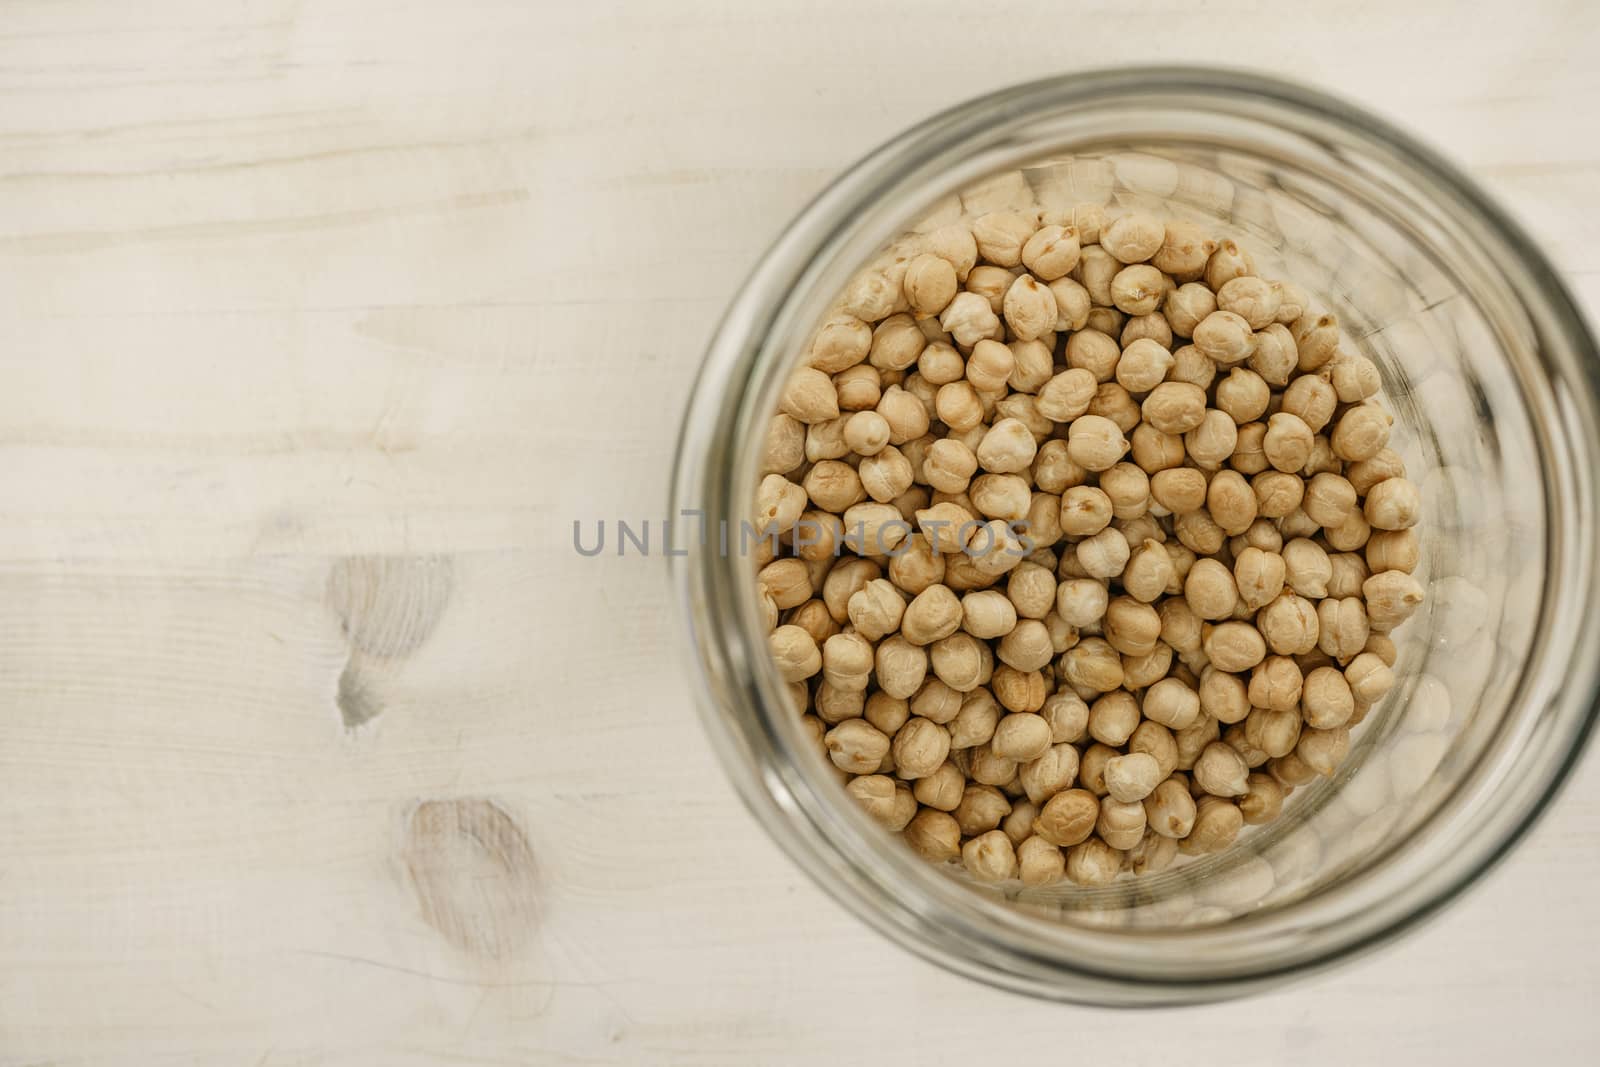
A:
{"points": [[320, 320]]}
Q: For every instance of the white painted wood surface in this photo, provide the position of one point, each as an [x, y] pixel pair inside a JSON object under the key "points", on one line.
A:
{"points": [[289, 285]]}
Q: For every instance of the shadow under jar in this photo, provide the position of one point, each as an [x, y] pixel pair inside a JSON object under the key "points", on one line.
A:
{"points": [[1492, 379]]}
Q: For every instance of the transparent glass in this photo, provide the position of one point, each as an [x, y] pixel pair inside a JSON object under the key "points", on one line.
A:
{"points": [[1491, 375]]}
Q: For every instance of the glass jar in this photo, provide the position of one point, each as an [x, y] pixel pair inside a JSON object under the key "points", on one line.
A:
{"points": [[1494, 383]]}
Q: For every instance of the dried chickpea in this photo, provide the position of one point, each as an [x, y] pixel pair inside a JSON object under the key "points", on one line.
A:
{"points": [[1329, 500], [1029, 308], [1184, 250], [1067, 395], [1189, 365], [1132, 777], [1155, 451], [1323, 750], [1093, 863], [1231, 501], [1149, 327], [1343, 626], [1148, 571], [1138, 289], [1354, 378], [1198, 532], [1217, 823], [1181, 628], [1307, 569], [1275, 733], [1224, 338], [942, 789], [1000, 496], [796, 653], [1112, 401], [1094, 351], [1210, 590], [1170, 809], [1031, 590], [1369, 678], [1391, 598], [1252, 299], [1312, 399], [1274, 357], [1051, 252], [975, 723], [897, 342], [1221, 772], [900, 666], [1174, 407], [1103, 555], [1121, 823], [1133, 238], [1068, 717], [1143, 365], [1393, 504], [1369, 472], [1172, 704], [1289, 771], [1249, 450], [936, 702], [1187, 306], [1093, 665], [1288, 441], [1263, 799], [1290, 624], [1393, 550], [1128, 488], [784, 447], [1073, 304], [858, 389], [960, 662], [1095, 443], [886, 475], [1243, 395], [1006, 448], [1276, 684], [1001, 236], [1179, 490], [1068, 817], [930, 284], [981, 809], [990, 366], [1258, 576], [1081, 601], [1227, 262], [1234, 646], [1317, 339], [1027, 647], [934, 835], [1213, 441], [1131, 627], [1360, 433], [856, 746], [968, 319], [1039, 863], [877, 795], [990, 857], [1085, 511], [1050, 773], [1382, 646]]}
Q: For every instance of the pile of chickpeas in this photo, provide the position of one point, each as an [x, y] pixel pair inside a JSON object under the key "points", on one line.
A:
{"points": [[1083, 543]]}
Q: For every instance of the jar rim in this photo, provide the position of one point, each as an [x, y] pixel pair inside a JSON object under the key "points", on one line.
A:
{"points": [[741, 698]]}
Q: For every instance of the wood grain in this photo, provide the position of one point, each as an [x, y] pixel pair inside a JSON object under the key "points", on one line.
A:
{"points": [[301, 300]]}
